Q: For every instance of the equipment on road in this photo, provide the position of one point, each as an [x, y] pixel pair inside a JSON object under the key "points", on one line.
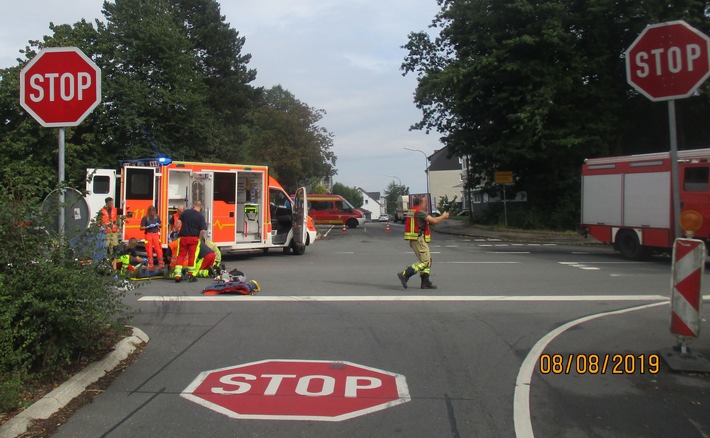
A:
{"points": [[249, 287], [627, 200]]}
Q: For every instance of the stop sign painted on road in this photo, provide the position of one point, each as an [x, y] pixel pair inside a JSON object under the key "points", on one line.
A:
{"points": [[60, 86], [668, 61], [298, 390]]}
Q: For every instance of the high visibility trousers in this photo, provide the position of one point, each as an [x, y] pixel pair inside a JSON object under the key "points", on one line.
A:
{"points": [[421, 251]]}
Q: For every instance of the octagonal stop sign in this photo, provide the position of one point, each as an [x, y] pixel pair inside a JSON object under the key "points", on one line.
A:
{"points": [[60, 86], [297, 390], [668, 61]]}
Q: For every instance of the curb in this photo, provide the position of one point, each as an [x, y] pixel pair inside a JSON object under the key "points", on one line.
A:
{"points": [[67, 391]]}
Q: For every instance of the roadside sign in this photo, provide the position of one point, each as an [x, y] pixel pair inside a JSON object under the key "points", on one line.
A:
{"points": [[503, 177], [668, 61], [60, 86], [314, 390]]}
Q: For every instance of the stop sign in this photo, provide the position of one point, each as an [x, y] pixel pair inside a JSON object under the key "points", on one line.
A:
{"points": [[668, 61], [60, 86], [297, 390]]}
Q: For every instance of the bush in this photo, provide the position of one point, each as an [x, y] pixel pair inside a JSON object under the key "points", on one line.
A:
{"points": [[54, 307]]}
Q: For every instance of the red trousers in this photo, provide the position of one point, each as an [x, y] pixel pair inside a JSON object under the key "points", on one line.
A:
{"points": [[152, 240], [208, 261], [188, 246]]}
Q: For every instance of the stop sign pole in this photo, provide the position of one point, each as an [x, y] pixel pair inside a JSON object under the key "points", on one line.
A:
{"points": [[669, 61], [59, 87]]}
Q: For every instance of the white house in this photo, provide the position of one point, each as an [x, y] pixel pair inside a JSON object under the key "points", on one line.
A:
{"points": [[373, 205]]}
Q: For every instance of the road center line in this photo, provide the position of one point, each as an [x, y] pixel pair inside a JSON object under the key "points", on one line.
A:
{"points": [[396, 298], [521, 399]]}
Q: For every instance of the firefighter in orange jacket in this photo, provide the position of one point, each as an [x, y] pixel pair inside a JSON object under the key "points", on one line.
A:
{"points": [[109, 223], [416, 231]]}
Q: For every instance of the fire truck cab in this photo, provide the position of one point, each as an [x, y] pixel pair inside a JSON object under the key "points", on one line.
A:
{"points": [[245, 209], [628, 201]]}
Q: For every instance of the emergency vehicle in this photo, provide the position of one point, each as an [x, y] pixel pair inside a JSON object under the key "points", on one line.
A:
{"points": [[627, 201], [245, 209], [334, 210]]}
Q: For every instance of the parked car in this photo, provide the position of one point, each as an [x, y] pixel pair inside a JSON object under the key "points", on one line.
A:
{"points": [[383, 218]]}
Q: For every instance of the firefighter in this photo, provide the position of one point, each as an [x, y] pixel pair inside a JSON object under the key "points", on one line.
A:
{"points": [[207, 259], [416, 231], [151, 225], [109, 223]]}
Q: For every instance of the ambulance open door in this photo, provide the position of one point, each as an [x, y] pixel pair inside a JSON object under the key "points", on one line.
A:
{"points": [[139, 193], [300, 226], [201, 189]]}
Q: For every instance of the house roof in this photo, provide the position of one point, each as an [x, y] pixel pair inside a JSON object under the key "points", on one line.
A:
{"points": [[440, 160]]}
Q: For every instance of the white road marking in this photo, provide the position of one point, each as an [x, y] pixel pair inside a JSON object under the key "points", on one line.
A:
{"points": [[474, 263], [398, 298], [521, 398]]}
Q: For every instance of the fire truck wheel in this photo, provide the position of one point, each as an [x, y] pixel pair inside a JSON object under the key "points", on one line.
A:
{"points": [[351, 223], [629, 246]]}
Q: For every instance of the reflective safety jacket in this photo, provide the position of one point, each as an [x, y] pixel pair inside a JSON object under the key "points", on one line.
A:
{"points": [[109, 221], [411, 226]]}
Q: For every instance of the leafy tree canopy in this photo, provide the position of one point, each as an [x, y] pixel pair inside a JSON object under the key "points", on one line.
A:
{"points": [[534, 87], [174, 79]]}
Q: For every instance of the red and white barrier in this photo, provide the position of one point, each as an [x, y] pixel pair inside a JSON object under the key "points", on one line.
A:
{"points": [[686, 282]]}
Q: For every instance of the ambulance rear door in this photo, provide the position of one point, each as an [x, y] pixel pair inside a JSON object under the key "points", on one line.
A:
{"points": [[201, 189], [300, 225], [100, 184], [224, 208], [139, 193]]}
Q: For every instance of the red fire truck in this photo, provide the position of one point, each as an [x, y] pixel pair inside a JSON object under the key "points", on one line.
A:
{"points": [[627, 201], [245, 208]]}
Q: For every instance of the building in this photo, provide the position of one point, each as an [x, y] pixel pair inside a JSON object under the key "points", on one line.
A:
{"points": [[373, 205], [446, 177]]}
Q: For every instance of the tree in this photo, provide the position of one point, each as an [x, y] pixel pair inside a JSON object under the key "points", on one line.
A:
{"points": [[175, 80], [284, 134], [392, 193], [536, 87], [351, 194]]}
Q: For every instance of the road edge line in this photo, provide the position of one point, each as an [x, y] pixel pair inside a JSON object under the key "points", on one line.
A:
{"points": [[521, 398]]}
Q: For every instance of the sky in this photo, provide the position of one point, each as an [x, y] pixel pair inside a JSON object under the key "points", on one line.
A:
{"points": [[340, 56]]}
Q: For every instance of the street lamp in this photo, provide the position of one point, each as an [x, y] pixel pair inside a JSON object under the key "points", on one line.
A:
{"points": [[392, 176], [426, 169]]}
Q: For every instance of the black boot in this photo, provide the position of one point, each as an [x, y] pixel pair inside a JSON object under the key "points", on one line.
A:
{"points": [[426, 283], [404, 275]]}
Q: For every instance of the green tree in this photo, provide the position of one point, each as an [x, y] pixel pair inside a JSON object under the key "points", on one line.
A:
{"points": [[392, 193], [284, 134], [351, 194], [536, 87]]}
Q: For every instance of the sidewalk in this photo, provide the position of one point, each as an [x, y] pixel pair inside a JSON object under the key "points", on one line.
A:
{"points": [[464, 228]]}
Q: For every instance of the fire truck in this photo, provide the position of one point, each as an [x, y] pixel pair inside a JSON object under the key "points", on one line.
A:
{"points": [[628, 201], [245, 209]]}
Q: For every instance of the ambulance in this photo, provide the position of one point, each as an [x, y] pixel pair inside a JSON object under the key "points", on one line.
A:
{"points": [[245, 209]]}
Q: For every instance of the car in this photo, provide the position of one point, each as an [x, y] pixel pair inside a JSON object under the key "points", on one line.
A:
{"points": [[383, 218]]}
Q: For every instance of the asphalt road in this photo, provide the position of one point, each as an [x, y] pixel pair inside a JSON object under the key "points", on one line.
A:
{"points": [[468, 350]]}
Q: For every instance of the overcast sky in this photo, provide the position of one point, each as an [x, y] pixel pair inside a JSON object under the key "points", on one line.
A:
{"points": [[340, 56]]}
